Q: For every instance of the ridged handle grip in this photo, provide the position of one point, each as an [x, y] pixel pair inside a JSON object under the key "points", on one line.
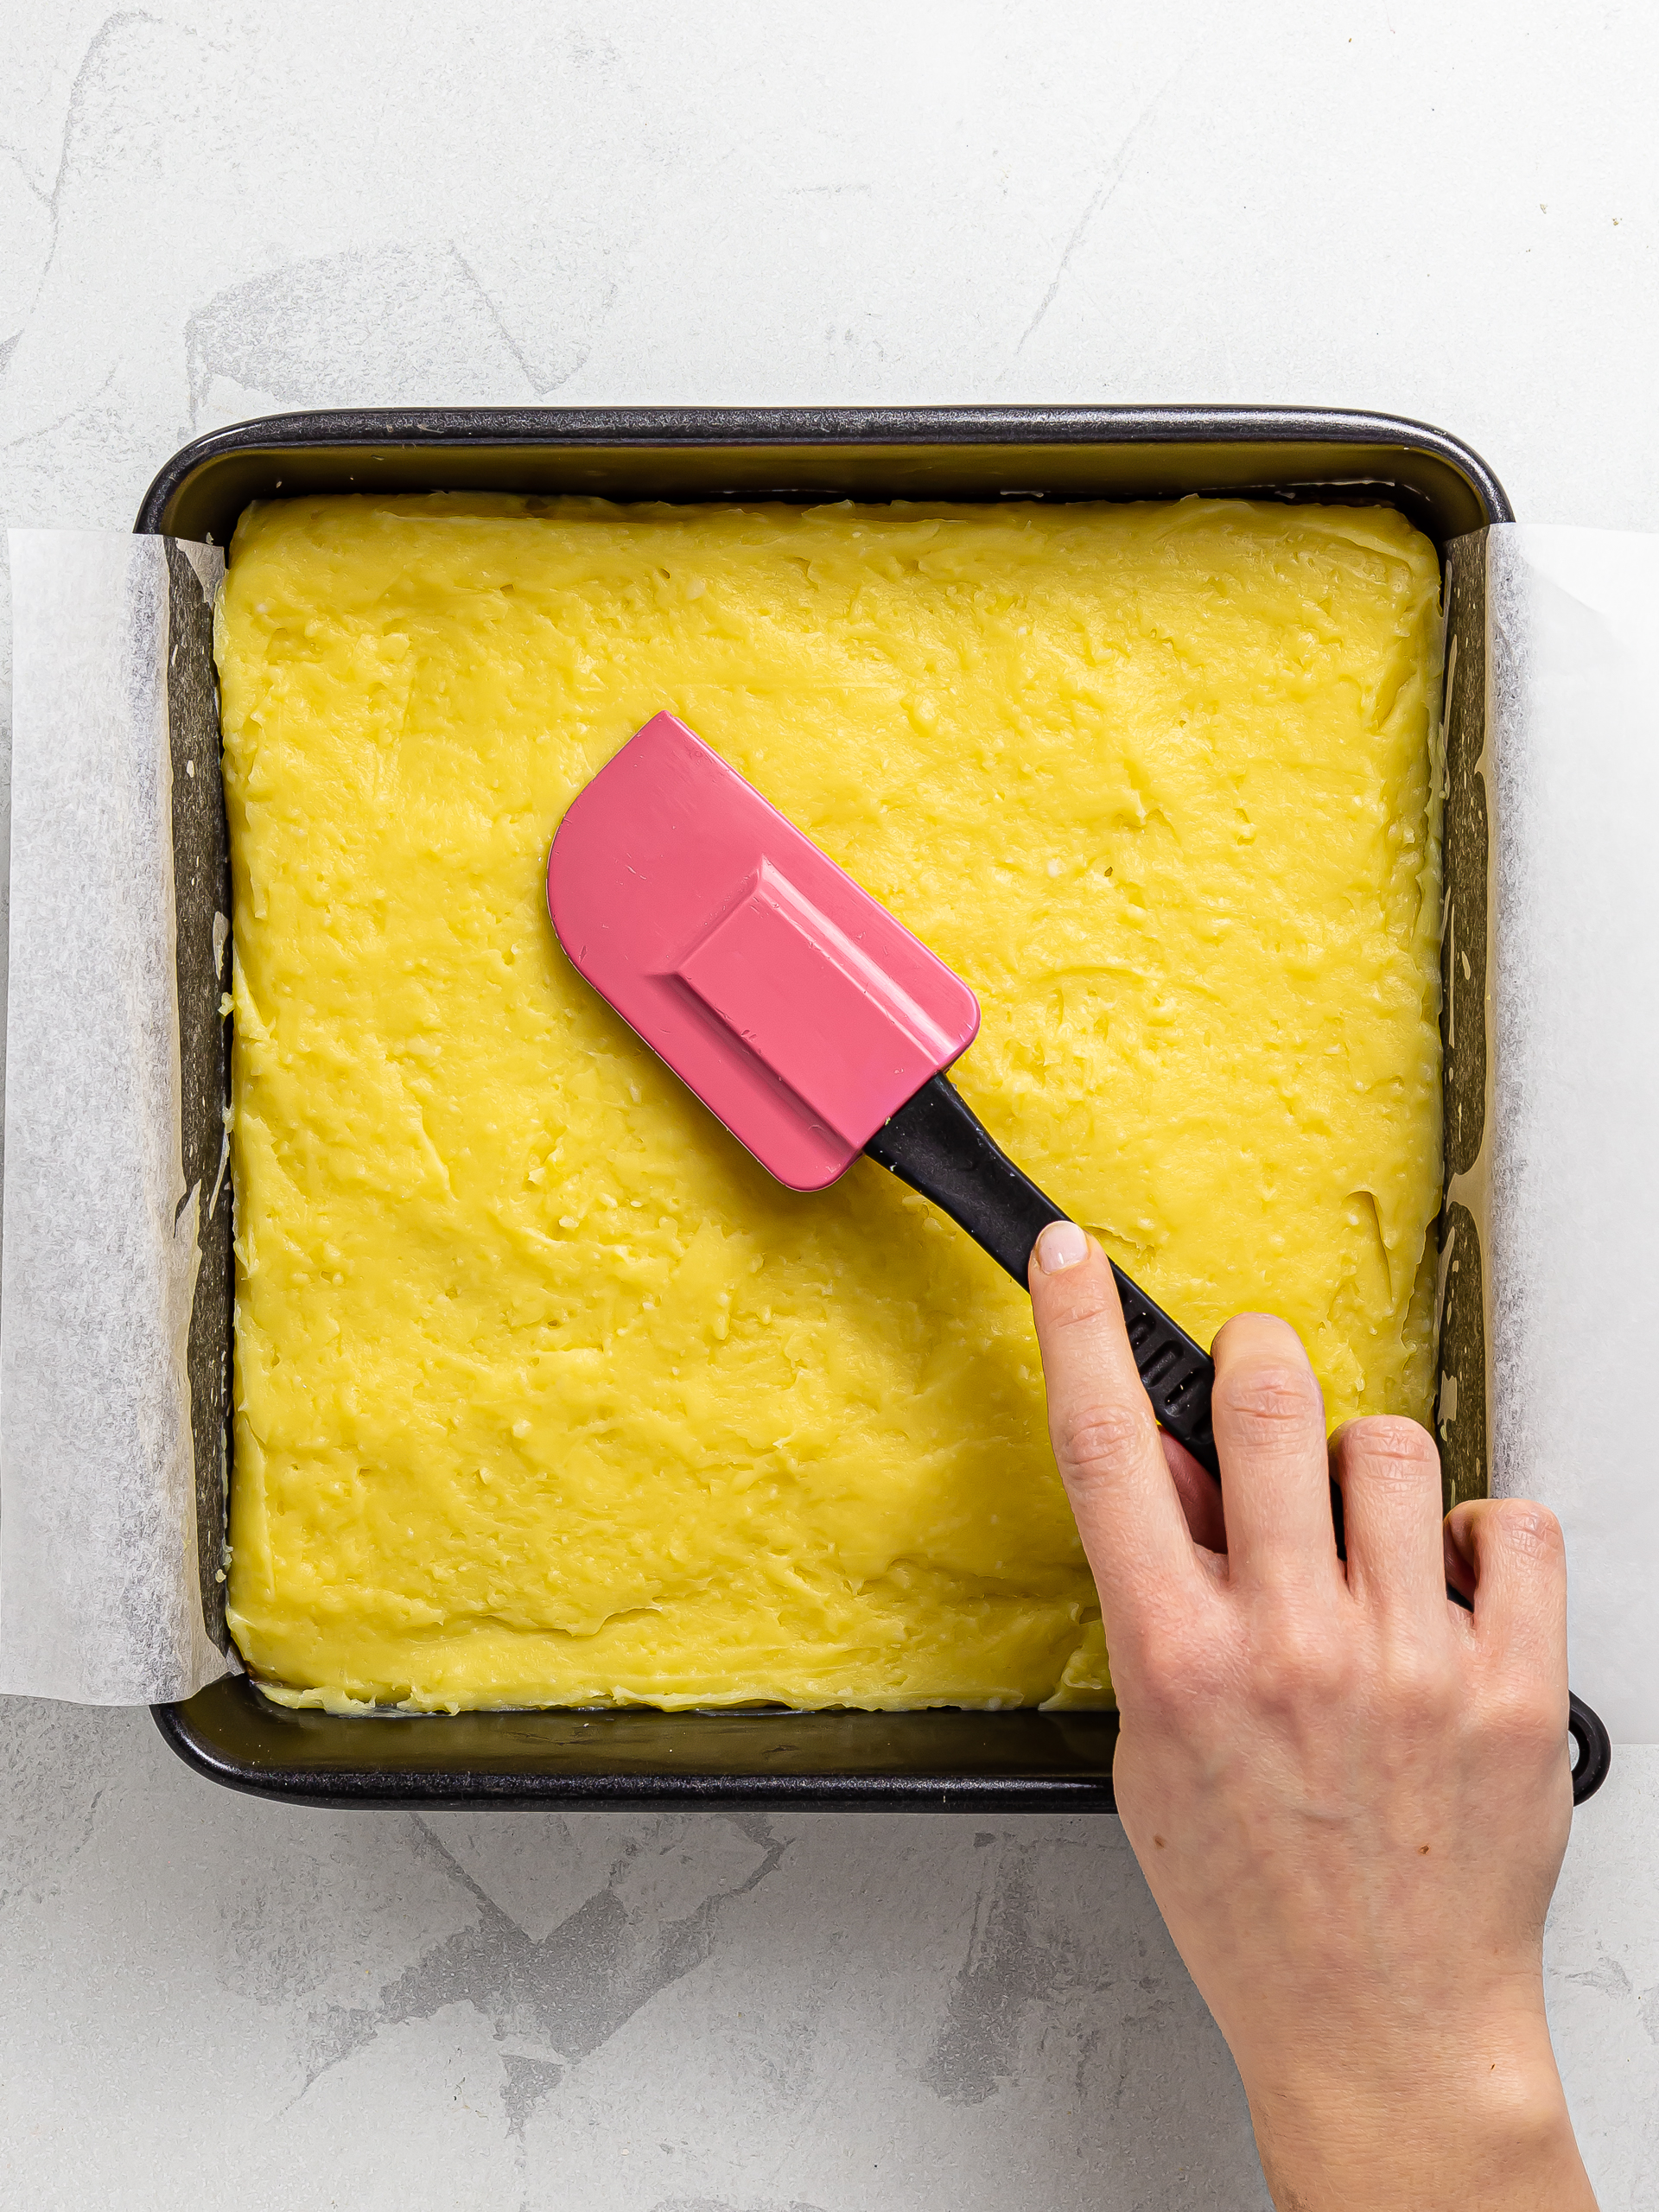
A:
{"points": [[938, 1145], [1176, 1373]]}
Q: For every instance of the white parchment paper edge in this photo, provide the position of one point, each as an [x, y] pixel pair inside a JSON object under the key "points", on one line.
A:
{"points": [[100, 1597]]}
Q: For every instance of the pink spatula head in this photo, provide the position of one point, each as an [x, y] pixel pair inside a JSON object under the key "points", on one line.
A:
{"points": [[813, 1024], [797, 1009]]}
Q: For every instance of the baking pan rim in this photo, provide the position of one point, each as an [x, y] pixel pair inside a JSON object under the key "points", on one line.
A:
{"points": [[975, 432]]}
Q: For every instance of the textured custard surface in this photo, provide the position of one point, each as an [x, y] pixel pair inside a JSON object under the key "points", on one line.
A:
{"points": [[546, 1394]]}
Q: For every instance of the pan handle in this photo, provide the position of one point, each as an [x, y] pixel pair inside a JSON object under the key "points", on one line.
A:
{"points": [[1593, 1745]]}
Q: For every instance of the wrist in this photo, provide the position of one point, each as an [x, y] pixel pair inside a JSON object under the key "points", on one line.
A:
{"points": [[1474, 2122]]}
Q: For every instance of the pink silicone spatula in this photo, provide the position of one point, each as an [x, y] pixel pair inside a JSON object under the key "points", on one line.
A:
{"points": [[808, 1020]]}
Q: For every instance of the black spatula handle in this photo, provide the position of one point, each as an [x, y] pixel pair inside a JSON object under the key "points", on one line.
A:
{"points": [[937, 1144]]}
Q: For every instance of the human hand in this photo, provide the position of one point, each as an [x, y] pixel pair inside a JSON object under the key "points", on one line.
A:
{"points": [[1350, 1798]]}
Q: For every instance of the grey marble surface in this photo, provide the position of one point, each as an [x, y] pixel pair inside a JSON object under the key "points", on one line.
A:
{"points": [[204, 1998], [209, 213]]}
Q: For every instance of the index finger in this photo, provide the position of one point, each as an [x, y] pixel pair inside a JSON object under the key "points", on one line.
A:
{"points": [[1106, 1442]]}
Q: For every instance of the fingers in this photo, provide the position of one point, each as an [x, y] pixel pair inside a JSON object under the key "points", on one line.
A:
{"points": [[1460, 1565], [1200, 1493], [1518, 1581], [1106, 1443], [1269, 1424], [1389, 1472]]}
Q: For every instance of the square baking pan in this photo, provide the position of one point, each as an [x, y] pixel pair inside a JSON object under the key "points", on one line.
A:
{"points": [[947, 1759]]}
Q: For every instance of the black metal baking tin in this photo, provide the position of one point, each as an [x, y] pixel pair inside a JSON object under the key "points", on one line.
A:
{"points": [[952, 1761]]}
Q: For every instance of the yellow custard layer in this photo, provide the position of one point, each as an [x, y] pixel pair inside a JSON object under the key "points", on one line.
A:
{"points": [[545, 1393]]}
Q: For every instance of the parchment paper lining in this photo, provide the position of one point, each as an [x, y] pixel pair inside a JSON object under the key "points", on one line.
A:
{"points": [[114, 1285], [1573, 700]]}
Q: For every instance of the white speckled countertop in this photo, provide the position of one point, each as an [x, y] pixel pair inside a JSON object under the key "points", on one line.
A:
{"points": [[212, 213]]}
